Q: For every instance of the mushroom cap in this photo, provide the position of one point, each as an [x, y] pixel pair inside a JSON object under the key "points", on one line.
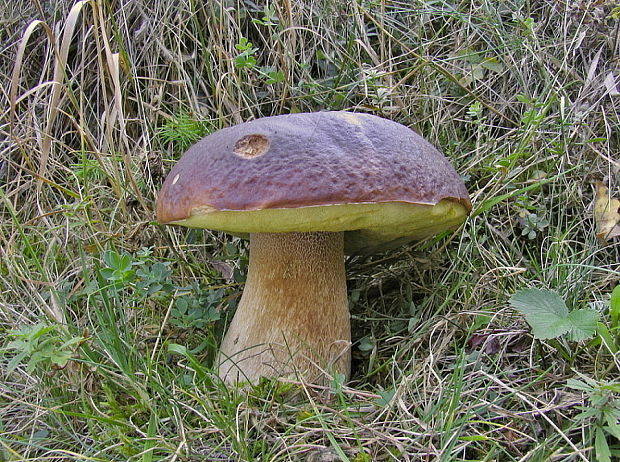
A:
{"points": [[375, 179]]}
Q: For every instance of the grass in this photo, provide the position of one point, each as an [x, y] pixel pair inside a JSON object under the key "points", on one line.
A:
{"points": [[109, 322]]}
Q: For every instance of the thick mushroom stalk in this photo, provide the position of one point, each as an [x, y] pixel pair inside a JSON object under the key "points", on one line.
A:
{"points": [[293, 317]]}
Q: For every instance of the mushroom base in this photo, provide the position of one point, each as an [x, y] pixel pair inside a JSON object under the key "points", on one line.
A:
{"points": [[293, 316]]}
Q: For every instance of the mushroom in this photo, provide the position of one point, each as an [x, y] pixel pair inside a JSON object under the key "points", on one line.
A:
{"points": [[306, 189]]}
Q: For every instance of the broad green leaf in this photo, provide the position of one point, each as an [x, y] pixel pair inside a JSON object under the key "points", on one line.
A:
{"points": [[613, 428], [547, 314], [477, 73], [544, 311], [469, 55], [538, 302], [583, 324]]}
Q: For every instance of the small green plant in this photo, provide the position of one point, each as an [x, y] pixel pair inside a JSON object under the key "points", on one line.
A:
{"points": [[375, 87], [152, 278], [196, 312], [119, 270], [601, 413], [271, 75], [87, 169], [246, 59], [476, 66], [270, 17], [548, 316], [41, 346], [145, 278], [475, 111], [181, 131], [531, 224], [534, 114]]}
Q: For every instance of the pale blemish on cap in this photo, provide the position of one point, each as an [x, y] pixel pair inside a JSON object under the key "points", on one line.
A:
{"points": [[202, 210], [350, 117], [251, 146], [176, 178]]}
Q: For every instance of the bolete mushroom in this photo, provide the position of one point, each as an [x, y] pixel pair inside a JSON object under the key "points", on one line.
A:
{"points": [[306, 189]]}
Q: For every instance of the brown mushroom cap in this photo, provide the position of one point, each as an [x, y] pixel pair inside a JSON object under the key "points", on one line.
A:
{"points": [[375, 179]]}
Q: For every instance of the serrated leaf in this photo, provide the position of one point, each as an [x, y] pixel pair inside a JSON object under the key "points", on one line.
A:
{"points": [[580, 385], [547, 314], [583, 324], [538, 302], [544, 311]]}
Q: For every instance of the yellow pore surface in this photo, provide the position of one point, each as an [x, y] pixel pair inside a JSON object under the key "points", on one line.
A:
{"points": [[367, 227]]}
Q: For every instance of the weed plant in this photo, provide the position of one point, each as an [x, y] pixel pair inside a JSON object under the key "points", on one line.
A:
{"points": [[109, 322]]}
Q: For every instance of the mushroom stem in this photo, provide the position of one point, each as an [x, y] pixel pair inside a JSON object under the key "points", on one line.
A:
{"points": [[293, 316]]}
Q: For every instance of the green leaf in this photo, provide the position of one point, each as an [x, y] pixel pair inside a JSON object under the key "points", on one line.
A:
{"points": [[15, 361], [60, 358], [493, 65], [477, 73], [588, 414], [17, 344], [386, 397], [606, 337], [474, 438], [40, 330], [613, 429], [547, 314], [614, 306], [583, 324], [603, 453], [70, 342], [580, 385], [274, 77], [178, 349], [366, 344]]}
